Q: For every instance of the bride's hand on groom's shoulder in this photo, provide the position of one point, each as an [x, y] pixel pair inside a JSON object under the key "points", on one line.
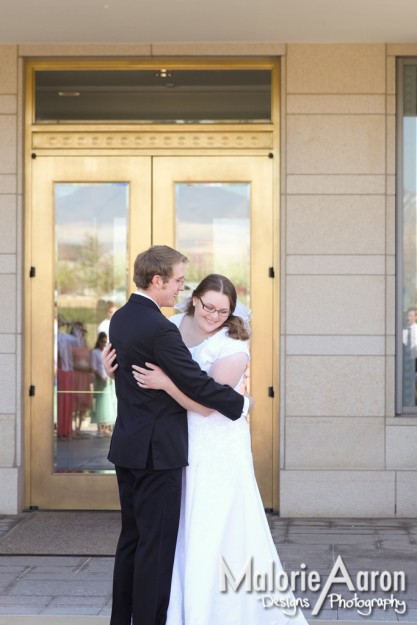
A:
{"points": [[109, 357]]}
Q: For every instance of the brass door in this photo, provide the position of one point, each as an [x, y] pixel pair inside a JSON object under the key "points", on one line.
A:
{"points": [[90, 216]]}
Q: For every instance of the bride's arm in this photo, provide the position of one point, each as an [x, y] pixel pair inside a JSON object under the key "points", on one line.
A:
{"points": [[154, 378], [227, 370], [230, 369]]}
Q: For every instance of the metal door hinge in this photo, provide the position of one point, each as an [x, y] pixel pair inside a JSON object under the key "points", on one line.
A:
{"points": [[271, 272], [32, 272], [31, 390], [271, 391]]}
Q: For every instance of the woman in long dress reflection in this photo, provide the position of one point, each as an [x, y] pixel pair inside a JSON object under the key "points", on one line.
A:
{"points": [[66, 341], [104, 409], [82, 377]]}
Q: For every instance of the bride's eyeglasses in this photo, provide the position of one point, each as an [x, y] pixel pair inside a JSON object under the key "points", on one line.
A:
{"points": [[223, 312]]}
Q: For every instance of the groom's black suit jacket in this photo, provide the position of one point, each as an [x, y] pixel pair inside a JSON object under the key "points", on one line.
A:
{"points": [[147, 418]]}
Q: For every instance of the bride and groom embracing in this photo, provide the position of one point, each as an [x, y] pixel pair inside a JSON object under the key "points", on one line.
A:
{"points": [[181, 525]]}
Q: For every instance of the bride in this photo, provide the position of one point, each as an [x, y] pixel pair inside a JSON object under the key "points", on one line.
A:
{"points": [[223, 536]]}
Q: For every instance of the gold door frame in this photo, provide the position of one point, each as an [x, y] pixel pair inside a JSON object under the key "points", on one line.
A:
{"points": [[149, 140]]}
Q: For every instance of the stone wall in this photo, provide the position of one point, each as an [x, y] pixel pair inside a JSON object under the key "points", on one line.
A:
{"points": [[11, 245], [343, 451]]}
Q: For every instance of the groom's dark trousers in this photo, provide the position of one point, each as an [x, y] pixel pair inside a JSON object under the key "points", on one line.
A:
{"points": [[150, 502], [149, 447]]}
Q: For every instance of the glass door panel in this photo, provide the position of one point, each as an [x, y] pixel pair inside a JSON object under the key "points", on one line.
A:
{"points": [[218, 211], [213, 230], [97, 214], [91, 263]]}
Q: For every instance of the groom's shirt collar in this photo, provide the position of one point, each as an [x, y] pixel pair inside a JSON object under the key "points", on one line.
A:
{"points": [[148, 296]]}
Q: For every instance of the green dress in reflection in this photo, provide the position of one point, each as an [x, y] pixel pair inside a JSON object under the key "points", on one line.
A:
{"points": [[105, 403]]}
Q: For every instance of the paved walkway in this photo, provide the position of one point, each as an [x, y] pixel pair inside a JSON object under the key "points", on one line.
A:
{"points": [[63, 590]]}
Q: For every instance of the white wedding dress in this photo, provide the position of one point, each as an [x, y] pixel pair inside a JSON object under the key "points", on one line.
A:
{"points": [[221, 515]]}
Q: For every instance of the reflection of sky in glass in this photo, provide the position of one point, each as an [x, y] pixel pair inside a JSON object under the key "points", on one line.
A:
{"points": [[91, 238], [213, 230], [410, 139], [409, 213], [85, 208]]}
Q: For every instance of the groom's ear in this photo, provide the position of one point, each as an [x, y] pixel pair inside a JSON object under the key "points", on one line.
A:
{"points": [[157, 281]]}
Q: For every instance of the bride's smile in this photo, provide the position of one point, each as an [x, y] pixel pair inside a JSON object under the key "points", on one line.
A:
{"points": [[210, 311]]}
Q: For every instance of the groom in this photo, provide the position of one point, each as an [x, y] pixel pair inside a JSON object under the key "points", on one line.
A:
{"points": [[150, 438]]}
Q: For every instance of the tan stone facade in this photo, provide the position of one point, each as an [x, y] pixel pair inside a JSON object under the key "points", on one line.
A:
{"points": [[343, 450]]}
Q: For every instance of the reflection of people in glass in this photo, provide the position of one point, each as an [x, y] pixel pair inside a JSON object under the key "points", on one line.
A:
{"points": [[66, 398], [409, 358], [82, 375], [104, 405], [104, 325]]}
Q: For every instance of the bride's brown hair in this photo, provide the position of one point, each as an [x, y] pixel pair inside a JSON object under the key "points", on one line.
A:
{"points": [[215, 282]]}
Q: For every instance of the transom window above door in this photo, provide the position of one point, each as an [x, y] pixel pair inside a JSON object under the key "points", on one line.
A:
{"points": [[160, 95]]}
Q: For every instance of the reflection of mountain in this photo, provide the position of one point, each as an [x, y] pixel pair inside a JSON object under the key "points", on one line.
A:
{"points": [[201, 203], [69, 252], [79, 202], [92, 202]]}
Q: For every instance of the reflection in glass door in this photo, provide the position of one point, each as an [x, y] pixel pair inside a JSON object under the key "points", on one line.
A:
{"points": [[213, 230], [91, 261]]}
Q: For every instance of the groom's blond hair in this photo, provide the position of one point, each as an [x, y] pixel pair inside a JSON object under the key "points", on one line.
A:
{"points": [[158, 260]]}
